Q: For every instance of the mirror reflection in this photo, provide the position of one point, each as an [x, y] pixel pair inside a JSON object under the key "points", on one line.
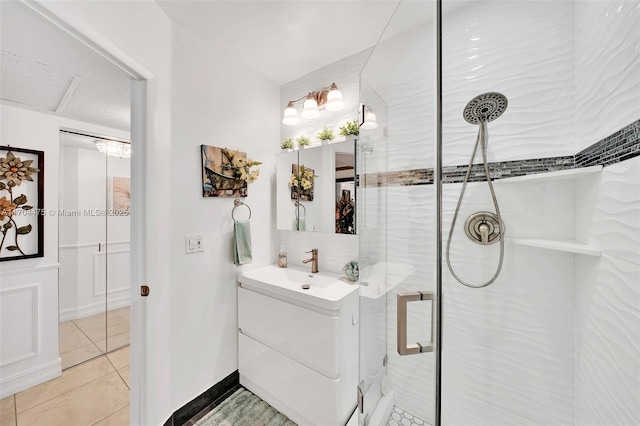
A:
{"points": [[316, 189]]}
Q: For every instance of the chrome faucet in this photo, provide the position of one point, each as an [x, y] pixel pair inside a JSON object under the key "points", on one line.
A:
{"points": [[313, 260]]}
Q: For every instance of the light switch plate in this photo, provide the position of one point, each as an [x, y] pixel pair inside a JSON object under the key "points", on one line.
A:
{"points": [[194, 243]]}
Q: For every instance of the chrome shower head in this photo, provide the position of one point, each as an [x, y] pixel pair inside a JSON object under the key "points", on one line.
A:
{"points": [[485, 108]]}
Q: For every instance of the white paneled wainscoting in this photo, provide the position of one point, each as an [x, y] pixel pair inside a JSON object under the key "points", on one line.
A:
{"points": [[29, 327], [88, 272]]}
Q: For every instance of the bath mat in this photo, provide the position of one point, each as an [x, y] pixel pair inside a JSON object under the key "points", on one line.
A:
{"points": [[244, 409]]}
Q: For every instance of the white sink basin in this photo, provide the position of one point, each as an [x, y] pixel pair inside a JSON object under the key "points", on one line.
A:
{"points": [[326, 290]]}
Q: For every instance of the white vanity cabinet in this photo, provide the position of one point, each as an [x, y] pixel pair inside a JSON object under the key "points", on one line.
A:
{"points": [[298, 349]]}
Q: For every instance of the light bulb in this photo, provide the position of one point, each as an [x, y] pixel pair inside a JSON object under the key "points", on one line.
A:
{"points": [[370, 121], [290, 115], [334, 99], [310, 108]]}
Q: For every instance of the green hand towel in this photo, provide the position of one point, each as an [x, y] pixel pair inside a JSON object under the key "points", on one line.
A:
{"points": [[241, 242], [299, 224]]}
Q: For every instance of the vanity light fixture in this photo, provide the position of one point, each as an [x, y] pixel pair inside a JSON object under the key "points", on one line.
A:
{"points": [[369, 121], [328, 97], [114, 148]]}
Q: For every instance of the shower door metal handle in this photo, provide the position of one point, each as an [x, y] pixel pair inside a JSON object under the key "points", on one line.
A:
{"points": [[418, 347]]}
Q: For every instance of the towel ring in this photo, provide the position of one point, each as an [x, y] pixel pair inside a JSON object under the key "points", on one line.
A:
{"points": [[237, 203], [299, 204]]}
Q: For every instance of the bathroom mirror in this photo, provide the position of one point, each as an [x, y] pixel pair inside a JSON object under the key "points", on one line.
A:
{"points": [[316, 189]]}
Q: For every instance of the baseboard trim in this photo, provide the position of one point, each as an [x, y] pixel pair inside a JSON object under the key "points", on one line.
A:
{"points": [[212, 395], [29, 378], [93, 309]]}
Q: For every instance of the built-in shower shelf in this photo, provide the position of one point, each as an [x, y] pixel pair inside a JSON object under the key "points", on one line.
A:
{"points": [[570, 174], [558, 245]]}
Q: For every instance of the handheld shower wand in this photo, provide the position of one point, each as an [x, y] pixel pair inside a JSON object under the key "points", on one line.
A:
{"points": [[482, 227]]}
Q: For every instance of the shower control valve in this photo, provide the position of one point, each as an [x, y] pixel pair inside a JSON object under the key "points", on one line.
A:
{"points": [[483, 228]]}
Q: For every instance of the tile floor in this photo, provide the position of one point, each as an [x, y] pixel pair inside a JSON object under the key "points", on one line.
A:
{"points": [[402, 418], [95, 393], [86, 338]]}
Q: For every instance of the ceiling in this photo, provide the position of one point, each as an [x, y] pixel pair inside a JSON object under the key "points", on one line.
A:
{"points": [[284, 40], [45, 69]]}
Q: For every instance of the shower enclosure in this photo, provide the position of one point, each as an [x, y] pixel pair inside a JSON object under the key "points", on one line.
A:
{"points": [[554, 339]]}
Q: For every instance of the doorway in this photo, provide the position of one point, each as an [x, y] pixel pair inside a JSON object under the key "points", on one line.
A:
{"points": [[114, 240]]}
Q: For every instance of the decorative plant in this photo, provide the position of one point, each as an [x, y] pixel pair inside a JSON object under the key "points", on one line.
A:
{"points": [[303, 141], [287, 144], [301, 183], [326, 134], [350, 128], [14, 171], [303, 179], [239, 168], [344, 214]]}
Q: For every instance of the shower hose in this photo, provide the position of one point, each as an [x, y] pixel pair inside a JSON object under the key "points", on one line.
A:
{"points": [[483, 138]]}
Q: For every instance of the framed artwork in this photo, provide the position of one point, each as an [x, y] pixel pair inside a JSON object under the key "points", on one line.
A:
{"points": [[119, 193], [21, 203], [222, 172], [301, 182]]}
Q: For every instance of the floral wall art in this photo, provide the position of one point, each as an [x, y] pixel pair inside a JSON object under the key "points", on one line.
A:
{"points": [[21, 203], [226, 173], [301, 182]]}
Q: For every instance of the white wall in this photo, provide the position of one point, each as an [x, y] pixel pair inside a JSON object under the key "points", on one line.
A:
{"points": [[216, 101], [29, 288]]}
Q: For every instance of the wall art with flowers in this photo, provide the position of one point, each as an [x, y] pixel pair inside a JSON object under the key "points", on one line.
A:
{"points": [[301, 182], [21, 203], [226, 173]]}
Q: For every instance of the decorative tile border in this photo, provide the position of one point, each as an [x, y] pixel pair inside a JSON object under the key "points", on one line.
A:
{"points": [[622, 145], [505, 169]]}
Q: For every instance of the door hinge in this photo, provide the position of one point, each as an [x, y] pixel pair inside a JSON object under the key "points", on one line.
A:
{"points": [[385, 360], [144, 290]]}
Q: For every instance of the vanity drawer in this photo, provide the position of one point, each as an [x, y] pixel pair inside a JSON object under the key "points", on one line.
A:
{"points": [[300, 393], [308, 337]]}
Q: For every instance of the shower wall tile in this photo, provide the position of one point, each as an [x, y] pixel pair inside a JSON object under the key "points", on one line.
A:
{"points": [[407, 92], [607, 342], [616, 221], [507, 351], [523, 50], [411, 267], [607, 66]]}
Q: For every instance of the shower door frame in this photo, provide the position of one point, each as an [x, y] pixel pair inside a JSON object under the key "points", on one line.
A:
{"points": [[437, 176]]}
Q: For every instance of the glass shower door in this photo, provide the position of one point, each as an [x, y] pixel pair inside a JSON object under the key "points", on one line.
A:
{"points": [[396, 222], [372, 234]]}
